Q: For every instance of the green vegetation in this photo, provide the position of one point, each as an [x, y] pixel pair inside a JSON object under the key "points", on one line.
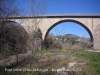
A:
{"points": [[13, 73], [42, 52], [93, 60], [51, 51], [68, 37]]}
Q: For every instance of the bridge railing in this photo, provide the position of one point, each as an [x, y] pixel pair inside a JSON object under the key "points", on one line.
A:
{"points": [[55, 15]]}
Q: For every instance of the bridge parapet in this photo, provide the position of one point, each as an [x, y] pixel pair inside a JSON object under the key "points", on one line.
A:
{"points": [[56, 16]]}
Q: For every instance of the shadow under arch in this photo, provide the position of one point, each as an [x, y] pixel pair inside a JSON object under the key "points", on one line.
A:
{"points": [[16, 24], [15, 35], [15, 38], [69, 20]]}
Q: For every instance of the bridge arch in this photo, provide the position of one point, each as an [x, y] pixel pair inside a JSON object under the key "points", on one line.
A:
{"points": [[14, 27], [70, 20], [16, 24], [15, 34]]}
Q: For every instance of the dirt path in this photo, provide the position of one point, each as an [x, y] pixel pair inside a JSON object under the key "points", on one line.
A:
{"points": [[94, 51]]}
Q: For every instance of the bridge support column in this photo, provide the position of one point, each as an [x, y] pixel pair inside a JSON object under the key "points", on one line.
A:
{"points": [[96, 42], [97, 37]]}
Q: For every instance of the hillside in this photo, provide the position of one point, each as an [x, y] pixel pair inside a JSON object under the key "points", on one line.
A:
{"points": [[69, 37]]}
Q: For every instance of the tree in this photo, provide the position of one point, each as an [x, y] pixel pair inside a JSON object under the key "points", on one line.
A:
{"points": [[38, 35], [84, 42], [48, 43], [37, 8], [8, 8], [12, 38]]}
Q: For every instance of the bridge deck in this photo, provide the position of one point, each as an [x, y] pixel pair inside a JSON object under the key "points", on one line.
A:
{"points": [[58, 16]]}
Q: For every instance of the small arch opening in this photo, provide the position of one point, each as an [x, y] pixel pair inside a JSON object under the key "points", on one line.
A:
{"points": [[13, 38]]}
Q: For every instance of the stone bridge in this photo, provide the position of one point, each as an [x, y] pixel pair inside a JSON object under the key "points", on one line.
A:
{"points": [[46, 22]]}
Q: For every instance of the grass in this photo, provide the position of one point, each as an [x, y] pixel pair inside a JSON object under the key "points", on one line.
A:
{"points": [[93, 60], [59, 63], [51, 51], [92, 66], [42, 52]]}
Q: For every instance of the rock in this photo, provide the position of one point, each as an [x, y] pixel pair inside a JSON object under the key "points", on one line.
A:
{"points": [[62, 73], [71, 64]]}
